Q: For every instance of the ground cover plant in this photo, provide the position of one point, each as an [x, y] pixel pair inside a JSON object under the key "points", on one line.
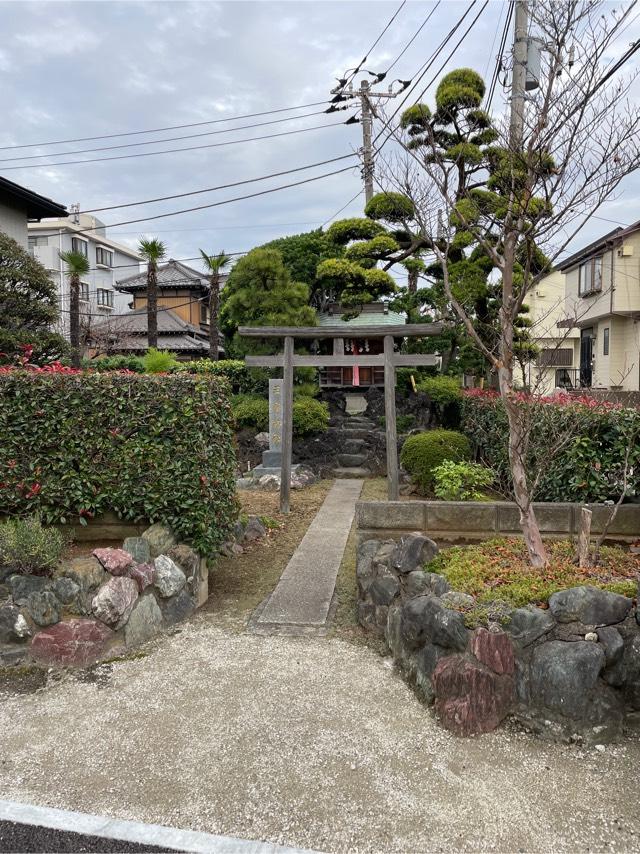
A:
{"points": [[157, 448], [499, 569], [30, 548], [461, 481]]}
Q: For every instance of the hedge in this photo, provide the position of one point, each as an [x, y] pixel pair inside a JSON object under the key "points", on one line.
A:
{"points": [[422, 453], [309, 415], [146, 447], [577, 444]]}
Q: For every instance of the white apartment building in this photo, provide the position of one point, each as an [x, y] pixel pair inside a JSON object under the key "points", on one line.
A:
{"points": [[108, 262]]}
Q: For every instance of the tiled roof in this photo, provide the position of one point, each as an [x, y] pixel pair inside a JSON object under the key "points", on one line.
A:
{"points": [[370, 315], [129, 331], [37, 206], [173, 274]]}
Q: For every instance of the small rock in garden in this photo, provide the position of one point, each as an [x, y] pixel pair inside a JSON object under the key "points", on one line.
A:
{"points": [[9, 616], [114, 601], [177, 608], [21, 627], [591, 636], [600, 748], [143, 574], [254, 530], [186, 558], [458, 601], [527, 625], [494, 650], [239, 529], [262, 439], [469, 698], [613, 644], [138, 548], [73, 642], [413, 552], [65, 589], [269, 482], [44, 608], [170, 579], [564, 674], [22, 586], [160, 539], [115, 561]]}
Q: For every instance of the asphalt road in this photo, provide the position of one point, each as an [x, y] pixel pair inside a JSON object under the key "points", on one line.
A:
{"points": [[16, 837]]}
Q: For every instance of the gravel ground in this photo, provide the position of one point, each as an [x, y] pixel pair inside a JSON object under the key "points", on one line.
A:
{"points": [[302, 741]]}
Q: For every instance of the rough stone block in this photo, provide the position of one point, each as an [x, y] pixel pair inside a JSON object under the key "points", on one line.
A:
{"points": [[22, 586], [400, 515], [177, 608], [115, 561], [143, 574], [589, 605], [470, 699], [412, 552], [528, 624], [65, 589], [9, 616], [384, 589], [145, 621], [160, 539], [425, 620], [74, 642], [87, 572], [138, 548], [364, 564], [44, 608], [494, 649], [114, 601], [169, 578], [564, 675], [612, 643]]}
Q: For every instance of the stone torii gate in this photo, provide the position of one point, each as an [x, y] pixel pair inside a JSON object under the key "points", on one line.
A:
{"points": [[389, 359]]}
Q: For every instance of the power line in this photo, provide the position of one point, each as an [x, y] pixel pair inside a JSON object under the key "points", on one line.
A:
{"points": [[172, 150], [220, 186], [498, 66], [359, 193], [412, 39], [218, 204], [160, 141], [158, 130]]}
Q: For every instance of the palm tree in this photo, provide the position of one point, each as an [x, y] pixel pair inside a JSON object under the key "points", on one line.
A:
{"points": [[77, 265], [214, 265], [152, 250]]}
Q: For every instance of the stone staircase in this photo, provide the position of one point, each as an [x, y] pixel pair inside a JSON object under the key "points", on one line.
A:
{"points": [[353, 458]]}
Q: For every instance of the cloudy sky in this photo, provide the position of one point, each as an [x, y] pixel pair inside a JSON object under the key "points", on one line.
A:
{"points": [[87, 69]]}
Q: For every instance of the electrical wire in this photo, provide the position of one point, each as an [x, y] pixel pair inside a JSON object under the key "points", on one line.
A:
{"points": [[160, 141], [359, 193], [496, 72], [220, 186], [158, 130], [172, 150], [412, 39]]}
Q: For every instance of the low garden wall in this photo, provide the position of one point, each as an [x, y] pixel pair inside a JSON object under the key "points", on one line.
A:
{"points": [[474, 520], [569, 672]]}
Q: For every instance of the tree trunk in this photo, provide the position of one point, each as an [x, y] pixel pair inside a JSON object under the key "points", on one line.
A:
{"points": [[214, 302], [152, 306], [74, 320], [412, 282]]}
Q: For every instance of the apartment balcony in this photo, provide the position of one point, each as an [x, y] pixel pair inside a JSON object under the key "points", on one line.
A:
{"points": [[573, 378]]}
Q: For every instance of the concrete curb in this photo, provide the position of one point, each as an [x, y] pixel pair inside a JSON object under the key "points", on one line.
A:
{"points": [[133, 831]]}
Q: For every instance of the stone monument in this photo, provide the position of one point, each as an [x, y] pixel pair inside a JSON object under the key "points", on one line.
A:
{"points": [[273, 457]]}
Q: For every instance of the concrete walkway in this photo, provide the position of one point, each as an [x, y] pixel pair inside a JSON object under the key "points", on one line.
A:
{"points": [[302, 597]]}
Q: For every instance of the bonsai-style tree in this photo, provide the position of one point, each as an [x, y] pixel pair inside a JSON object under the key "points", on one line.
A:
{"points": [[28, 306], [153, 251], [260, 292], [301, 254], [214, 265], [77, 266]]}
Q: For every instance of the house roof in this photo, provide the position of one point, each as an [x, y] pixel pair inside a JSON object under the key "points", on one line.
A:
{"points": [[613, 236], [129, 331], [372, 314], [173, 274], [37, 206]]}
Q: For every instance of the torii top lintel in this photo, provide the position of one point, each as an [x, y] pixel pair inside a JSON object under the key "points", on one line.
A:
{"points": [[406, 330]]}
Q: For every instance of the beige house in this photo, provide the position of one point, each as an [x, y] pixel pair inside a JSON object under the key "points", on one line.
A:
{"points": [[602, 303], [557, 363]]}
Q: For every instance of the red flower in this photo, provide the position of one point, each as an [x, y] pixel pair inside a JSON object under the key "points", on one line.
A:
{"points": [[35, 489]]}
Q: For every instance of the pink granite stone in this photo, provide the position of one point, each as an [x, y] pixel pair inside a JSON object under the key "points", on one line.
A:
{"points": [[74, 642], [114, 601], [115, 561], [493, 649], [470, 698], [143, 574]]}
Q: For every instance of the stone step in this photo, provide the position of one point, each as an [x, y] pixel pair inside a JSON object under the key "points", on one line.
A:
{"points": [[351, 472], [353, 446], [360, 423], [356, 433], [351, 460]]}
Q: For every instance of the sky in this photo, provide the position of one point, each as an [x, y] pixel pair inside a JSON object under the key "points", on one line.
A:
{"points": [[83, 69]]}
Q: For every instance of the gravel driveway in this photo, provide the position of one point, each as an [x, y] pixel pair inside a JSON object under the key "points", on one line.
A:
{"points": [[302, 741]]}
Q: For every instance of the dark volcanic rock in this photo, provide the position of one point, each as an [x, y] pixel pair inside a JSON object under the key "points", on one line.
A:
{"points": [[22, 586], [470, 698], [44, 608], [590, 606], [365, 572], [384, 589], [564, 675], [413, 552], [177, 608], [424, 619], [612, 642], [528, 624]]}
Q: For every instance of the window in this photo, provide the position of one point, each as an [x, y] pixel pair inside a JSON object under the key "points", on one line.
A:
{"points": [[84, 291], [555, 357], [80, 246], [204, 313], [590, 277], [605, 341], [105, 297], [104, 256]]}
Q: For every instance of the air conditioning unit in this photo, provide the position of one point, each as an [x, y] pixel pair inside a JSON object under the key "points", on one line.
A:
{"points": [[625, 251]]}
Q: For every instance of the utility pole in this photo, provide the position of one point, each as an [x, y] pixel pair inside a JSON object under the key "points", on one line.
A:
{"points": [[519, 75], [367, 148]]}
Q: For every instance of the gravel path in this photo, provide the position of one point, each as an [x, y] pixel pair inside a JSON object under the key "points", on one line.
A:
{"points": [[303, 741]]}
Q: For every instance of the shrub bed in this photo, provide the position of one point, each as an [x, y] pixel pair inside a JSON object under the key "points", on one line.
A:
{"points": [[578, 444], [146, 447], [309, 415], [423, 453]]}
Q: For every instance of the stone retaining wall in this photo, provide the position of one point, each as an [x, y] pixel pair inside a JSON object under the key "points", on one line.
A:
{"points": [[478, 520], [570, 672]]}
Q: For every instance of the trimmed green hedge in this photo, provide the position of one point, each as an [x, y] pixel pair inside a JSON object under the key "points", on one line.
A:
{"points": [[422, 453], [578, 445], [145, 447], [309, 415]]}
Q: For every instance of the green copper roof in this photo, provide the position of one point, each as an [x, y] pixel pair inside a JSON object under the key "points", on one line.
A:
{"points": [[365, 318]]}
